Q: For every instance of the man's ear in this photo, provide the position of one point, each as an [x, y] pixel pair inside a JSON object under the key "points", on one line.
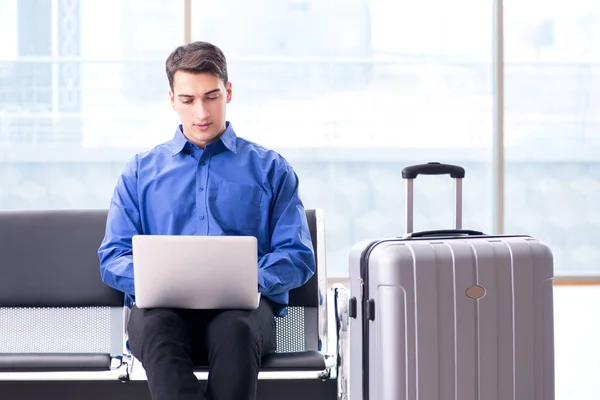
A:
{"points": [[172, 98], [228, 91]]}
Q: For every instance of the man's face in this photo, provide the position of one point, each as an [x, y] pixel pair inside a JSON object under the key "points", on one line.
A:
{"points": [[200, 101]]}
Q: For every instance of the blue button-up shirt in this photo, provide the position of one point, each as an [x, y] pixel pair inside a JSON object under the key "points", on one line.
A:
{"points": [[233, 187]]}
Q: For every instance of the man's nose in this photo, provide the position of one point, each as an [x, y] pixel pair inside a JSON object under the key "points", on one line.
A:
{"points": [[201, 112]]}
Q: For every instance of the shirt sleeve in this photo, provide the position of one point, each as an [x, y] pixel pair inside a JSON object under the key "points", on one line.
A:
{"points": [[291, 262], [123, 222]]}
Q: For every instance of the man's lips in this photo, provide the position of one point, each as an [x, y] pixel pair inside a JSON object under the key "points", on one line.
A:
{"points": [[203, 127]]}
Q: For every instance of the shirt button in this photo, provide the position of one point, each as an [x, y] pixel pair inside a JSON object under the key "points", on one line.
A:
{"points": [[201, 217], [201, 189]]}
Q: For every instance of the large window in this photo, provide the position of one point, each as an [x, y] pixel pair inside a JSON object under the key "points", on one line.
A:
{"points": [[350, 92], [552, 136], [82, 88], [552, 147]]}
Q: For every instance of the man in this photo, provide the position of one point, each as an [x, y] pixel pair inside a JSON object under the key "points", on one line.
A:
{"points": [[207, 181]]}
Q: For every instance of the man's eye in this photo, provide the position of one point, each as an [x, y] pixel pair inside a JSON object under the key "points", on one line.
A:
{"points": [[186, 101], [212, 98]]}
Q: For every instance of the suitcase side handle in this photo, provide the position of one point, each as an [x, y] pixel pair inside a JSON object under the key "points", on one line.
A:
{"points": [[433, 168], [443, 232]]}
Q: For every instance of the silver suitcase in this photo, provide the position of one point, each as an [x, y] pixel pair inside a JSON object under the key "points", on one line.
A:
{"points": [[456, 314]]}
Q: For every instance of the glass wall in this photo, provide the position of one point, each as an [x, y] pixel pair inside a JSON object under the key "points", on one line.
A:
{"points": [[351, 92], [82, 88], [552, 128], [552, 149]]}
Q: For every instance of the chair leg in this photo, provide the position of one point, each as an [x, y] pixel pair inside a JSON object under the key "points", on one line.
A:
{"points": [[330, 364], [128, 362], [128, 357]]}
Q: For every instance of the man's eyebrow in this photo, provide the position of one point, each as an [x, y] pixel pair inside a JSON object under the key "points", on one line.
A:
{"points": [[206, 94]]}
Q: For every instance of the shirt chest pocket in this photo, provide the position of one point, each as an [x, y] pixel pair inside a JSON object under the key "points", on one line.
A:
{"points": [[237, 207]]}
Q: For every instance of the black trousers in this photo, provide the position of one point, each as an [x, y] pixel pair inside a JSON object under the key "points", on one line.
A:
{"points": [[168, 342]]}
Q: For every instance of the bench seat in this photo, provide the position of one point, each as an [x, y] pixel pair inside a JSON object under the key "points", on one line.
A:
{"points": [[54, 362], [310, 360]]}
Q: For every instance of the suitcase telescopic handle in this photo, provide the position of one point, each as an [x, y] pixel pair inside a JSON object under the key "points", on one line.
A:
{"points": [[433, 168], [410, 173]]}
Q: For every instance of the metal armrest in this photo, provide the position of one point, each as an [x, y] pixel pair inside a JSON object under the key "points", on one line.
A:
{"points": [[126, 313], [340, 301]]}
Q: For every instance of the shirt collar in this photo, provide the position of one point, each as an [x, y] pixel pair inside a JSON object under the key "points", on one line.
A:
{"points": [[228, 138], [179, 141]]}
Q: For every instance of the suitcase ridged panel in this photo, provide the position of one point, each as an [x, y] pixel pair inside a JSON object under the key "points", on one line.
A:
{"points": [[465, 351], [544, 261], [524, 320], [392, 370], [494, 307], [447, 326], [532, 312], [392, 367], [439, 324], [431, 341], [426, 324], [502, 298]]}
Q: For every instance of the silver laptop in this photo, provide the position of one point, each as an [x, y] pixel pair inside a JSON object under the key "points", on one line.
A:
{"points": [[195, 272]]}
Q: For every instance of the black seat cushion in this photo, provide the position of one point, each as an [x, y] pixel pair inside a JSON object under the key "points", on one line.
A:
{"points": [[48, 362], [51, 259], [281, 362], [300, 361]]}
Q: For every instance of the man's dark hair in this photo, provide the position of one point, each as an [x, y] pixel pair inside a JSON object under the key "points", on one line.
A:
{"points": [[197, 57]]}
